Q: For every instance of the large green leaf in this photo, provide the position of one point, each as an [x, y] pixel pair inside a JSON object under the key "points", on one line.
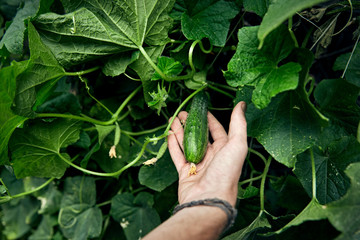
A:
{"points": [[42, 68], [338, 100], [118, 63], [8, 120], [313, 211], [168, 66], [36, 149], [14, 185], [160, 175], [64, 103], [135, 214], [333, 152], [17, 216], [290, 193], [259, 222], [292, 125], [80, 221], [208, 19], [352, 74], [259, 7], [78, 190], [344, 213], [94, 28], [79, 218], [50, 200], [278, 12], [260, 68], [14, 36], [45, 229]]}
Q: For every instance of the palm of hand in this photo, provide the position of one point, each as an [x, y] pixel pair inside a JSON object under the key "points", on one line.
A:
{"points": [[218, 173]]}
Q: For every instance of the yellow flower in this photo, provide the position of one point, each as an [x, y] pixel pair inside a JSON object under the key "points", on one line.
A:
{"points": [[150, 161], [112, 152]]}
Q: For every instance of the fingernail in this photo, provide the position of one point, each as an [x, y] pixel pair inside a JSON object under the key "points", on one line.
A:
{"points": [[243, 106]]}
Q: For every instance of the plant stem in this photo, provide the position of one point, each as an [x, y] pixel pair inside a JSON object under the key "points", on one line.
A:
{"points": [[313, 173], [139, 143], [290, 23], [258, 154], [221, 91], [131, 78], [181, 106], [6, 189], [122, 106], [312, 84], [89, 119], [150, 61], [117, 173], [352, 52], [262, 184], [33, 190], [103, 203], [202, 47], [144, 132], [70, 116], [84, 80], [251, 179], [222, 86], [176, 78], [82, 72]]}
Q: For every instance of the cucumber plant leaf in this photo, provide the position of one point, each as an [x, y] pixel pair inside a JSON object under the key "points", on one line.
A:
{"points": [[35, 150], [334, 151], [135, 214], [293, 125], [259, 7], [260, 221], [168, 66], [8, 120], [208, 19], [103, 28], [80, 221], [45, 228], [18, 217], [50, 200], [63, 103], [13, 38], [337, 99], [278, 12], [43, 68], [117, 64], [158, 99], [313, 211], [160, 175], [344, 213], [260, 68], [79, 218]]}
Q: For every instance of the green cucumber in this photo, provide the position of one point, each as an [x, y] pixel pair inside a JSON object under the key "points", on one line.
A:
{"points": [[196, 132]]}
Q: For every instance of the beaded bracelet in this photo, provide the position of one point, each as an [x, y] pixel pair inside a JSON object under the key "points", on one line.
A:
{"points": [[222, 204]]}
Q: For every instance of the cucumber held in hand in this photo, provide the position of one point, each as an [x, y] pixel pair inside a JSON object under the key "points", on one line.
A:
{"points": [[196, 131]]}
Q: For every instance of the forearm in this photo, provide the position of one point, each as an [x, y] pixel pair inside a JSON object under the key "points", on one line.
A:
{"points": [[200, 222]]}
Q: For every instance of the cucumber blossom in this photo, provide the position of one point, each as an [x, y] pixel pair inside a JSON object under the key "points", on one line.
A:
{"points": [[196, 132]]}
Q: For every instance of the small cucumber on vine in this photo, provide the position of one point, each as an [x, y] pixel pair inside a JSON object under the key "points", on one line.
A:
{"points": [[196, 132]]}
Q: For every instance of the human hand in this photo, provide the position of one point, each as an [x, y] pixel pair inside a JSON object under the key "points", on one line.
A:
{"points": [[219, 172]]}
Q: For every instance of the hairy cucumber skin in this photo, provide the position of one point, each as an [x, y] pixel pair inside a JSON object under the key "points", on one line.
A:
{"points": [[196, 132]]}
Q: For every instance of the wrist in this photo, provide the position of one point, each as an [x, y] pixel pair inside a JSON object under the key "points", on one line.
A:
{"points": [[220, 204]]}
